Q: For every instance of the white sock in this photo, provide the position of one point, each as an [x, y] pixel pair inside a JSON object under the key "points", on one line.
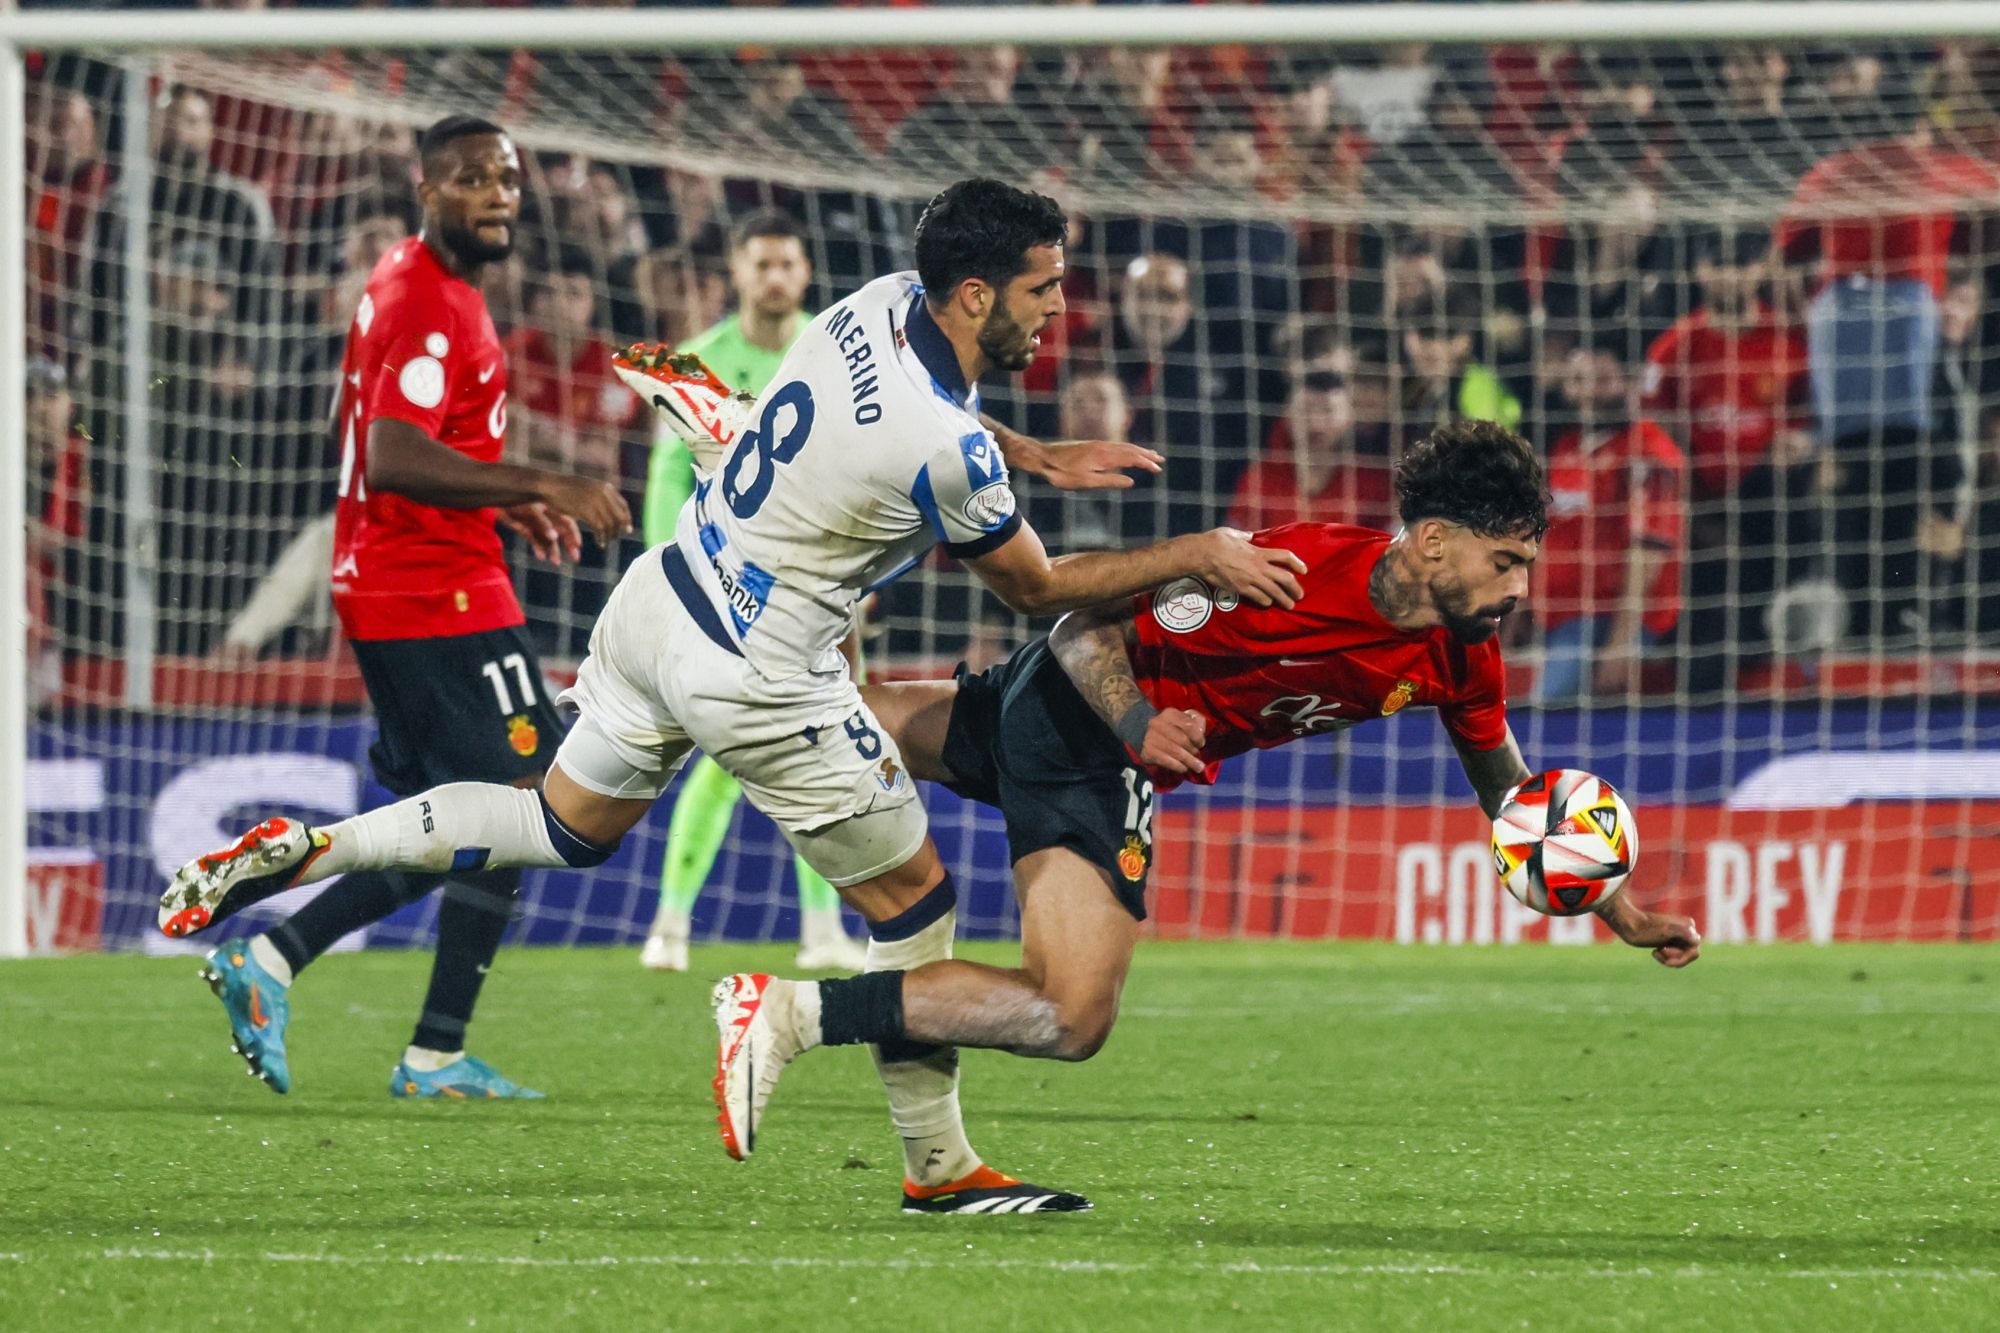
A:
{"points": [[671, 925], [805, 1014], [268, 958], [426, 832], [923, 1094], [426, 1061]]}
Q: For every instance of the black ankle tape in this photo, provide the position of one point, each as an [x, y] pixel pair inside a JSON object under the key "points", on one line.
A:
{"points": [[926, 911], [901, 1051], [867, 1008]]}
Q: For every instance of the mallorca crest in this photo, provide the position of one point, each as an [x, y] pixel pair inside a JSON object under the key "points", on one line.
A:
{"points": [[1132, 858], [1398, 697]]}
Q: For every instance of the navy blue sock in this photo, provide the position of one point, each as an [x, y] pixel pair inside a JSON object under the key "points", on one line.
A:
{"points": [[360, 898], [471, 920]]}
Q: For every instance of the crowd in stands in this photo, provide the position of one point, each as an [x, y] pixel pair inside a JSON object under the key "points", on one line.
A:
{"points": [[1769, 426]]}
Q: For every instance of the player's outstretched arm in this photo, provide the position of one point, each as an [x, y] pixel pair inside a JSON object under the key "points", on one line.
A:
{"points": [[1674, 940], [1023, 576], [1093, 647], [1074, 465], [1493, 773], [405, 461]]}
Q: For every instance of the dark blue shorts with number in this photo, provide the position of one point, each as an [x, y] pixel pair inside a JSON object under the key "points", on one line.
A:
{"points": [[460, 708], [1021, 738]]}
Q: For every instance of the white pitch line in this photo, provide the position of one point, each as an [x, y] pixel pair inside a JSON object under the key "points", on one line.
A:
{"points": [[1243, 1267]]}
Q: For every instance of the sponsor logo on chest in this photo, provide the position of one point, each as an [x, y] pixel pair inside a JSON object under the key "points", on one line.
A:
{"points": [[1307, 713]]}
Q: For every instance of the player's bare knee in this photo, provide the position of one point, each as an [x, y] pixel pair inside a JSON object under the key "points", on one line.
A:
{"points": [[1084, 1026], [1032, 1024]]}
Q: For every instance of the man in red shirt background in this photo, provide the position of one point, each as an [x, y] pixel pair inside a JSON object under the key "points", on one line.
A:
{"points": [[1611, 564], [568, 411], [573, 407], [1873, 333], [424, 593], [58, 473], [1729, 379], [1316, 468]]}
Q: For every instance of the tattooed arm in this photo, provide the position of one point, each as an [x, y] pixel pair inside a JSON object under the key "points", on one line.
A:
{"points": [[1493, 772], [1093, 647]]}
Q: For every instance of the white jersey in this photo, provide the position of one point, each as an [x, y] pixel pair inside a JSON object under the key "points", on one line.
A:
{"points": [[864, 452]]}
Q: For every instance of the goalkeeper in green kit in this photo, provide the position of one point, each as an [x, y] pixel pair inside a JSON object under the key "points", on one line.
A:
{"points": [[769, 270]]}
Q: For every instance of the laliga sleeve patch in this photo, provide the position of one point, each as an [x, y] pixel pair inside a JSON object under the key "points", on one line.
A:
{"points": [[422, 381], [1183, 606], [990, 506]]}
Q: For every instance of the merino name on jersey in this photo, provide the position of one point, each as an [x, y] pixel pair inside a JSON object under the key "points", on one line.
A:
{"points": [[1262, 676], [864, 452], [861, 378]]}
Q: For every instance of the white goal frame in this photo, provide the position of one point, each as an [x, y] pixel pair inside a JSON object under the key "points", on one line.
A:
{"points": [[142, 35]]}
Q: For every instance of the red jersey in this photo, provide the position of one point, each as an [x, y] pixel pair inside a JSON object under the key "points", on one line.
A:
{"points": [[423, 350], [586, 392], [65, 502], [1609, 491], [1887, 210], [1357, 490], [64, 520], [1734, 389], [1262, 676]]}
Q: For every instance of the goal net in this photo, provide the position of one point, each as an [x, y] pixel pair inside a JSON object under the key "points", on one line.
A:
{"points": [[1739, 295]]}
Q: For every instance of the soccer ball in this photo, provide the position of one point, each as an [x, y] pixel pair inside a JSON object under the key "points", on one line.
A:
{"points": [[1564, 842]]}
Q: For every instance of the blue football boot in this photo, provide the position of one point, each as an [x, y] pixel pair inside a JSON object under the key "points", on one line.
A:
{"points": [[464, 1080], [257, 1008]]}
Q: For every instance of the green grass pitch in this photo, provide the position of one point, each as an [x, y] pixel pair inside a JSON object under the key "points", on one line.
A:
{"points": [[1295, 1136]]}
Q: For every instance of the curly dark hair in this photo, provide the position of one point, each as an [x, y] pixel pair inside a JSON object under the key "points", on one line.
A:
{"points": [[1479, 475], [983, 228]]}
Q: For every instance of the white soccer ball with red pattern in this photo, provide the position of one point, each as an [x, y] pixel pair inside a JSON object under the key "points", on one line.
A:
{"points": [[1564, 842]]}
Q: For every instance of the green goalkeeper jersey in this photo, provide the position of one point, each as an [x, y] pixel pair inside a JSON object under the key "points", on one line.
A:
{"points": [[742, 365]]}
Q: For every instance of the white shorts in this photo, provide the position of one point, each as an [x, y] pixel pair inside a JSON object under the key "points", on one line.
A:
{"points": [[807, 750]]}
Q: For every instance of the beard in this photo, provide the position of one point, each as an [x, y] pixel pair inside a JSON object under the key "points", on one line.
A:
{"points": [[472, 248], [1006, 343], [776, 304], [1467, 623]]}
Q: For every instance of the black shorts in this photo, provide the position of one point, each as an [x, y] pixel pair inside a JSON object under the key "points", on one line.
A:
{"points": [[1021, 738], [463, 708]]}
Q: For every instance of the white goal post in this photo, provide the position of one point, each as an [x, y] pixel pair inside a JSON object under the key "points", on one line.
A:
{"points": [[725, 28], [144, 36]]}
